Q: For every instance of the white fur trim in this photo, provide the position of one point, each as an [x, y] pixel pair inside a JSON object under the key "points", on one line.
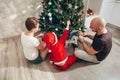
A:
{"points": [[61, 62], [49, 50], [56, 40]]}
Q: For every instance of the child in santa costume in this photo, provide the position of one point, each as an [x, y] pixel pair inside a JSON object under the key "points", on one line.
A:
{"points": [[58, 55]]}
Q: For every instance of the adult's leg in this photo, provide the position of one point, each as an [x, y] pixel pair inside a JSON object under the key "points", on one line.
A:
{"points": [[87, 41], [81, 54]]}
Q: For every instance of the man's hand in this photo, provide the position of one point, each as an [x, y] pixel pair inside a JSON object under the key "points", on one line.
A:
{"points": [[87, 35], [84, 34], [80, 38]]}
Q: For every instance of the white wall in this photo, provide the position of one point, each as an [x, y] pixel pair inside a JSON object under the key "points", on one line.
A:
{"points": [[95, 5], [110, 10]]}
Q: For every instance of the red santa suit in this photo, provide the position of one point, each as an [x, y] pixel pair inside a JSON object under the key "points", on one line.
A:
{"points": [[58, 52]]}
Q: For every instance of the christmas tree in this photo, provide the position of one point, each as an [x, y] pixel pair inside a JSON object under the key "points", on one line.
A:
{"points": [[56, 12]]}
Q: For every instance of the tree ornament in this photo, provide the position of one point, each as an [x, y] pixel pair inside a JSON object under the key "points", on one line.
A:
{"points": [[70, 5], [71, 33], [56, 29], [49, 14], [56, 10], [82, 12], [60, 11], [76, 7], [50, 18], [63, 22], [79, 19], [44, 25], [73, 23], [58, 5], [49, 3], [43, 18]]}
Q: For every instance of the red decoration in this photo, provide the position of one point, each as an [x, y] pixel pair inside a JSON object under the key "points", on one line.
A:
{"points": [[82, 12]]}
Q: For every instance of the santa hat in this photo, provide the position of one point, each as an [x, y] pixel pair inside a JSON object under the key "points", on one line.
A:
{"points": [[50, 39]]}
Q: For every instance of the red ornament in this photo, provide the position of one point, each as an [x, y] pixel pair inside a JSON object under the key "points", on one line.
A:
{"points": [[73, 23], [82, 12]]}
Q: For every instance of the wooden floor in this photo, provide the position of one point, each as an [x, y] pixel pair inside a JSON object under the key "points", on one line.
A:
{"points": [[13, 65]]}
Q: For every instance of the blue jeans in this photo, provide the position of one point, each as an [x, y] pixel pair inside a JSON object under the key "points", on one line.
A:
{"points": [[37, 60]]}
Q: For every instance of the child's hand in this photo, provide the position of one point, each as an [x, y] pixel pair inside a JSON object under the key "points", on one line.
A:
{"points": [[68, 23], [40, 35]]}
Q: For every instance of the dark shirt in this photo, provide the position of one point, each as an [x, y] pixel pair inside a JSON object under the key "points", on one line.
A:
{"points": [[102, 44]]}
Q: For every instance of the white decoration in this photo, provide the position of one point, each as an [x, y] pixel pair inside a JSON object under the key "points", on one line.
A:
{"points": [[56, 29], [70, 5], [43, 17], [50, 18], [76, 7], [49, 14], [56, 10], [63, 22], [50, 3]]}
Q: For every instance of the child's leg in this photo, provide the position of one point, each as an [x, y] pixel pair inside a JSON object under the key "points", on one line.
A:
{"points": [[71, 59], [44, 53]]}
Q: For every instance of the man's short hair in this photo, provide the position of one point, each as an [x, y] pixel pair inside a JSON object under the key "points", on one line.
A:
{"points": [[31, 22]]}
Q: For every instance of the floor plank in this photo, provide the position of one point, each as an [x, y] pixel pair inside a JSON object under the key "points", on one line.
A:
{"points": [[13, 65]]}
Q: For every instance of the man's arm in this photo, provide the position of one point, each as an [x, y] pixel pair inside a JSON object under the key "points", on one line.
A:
{"points": [[88, 49], [87, 35], [90, 36]]}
